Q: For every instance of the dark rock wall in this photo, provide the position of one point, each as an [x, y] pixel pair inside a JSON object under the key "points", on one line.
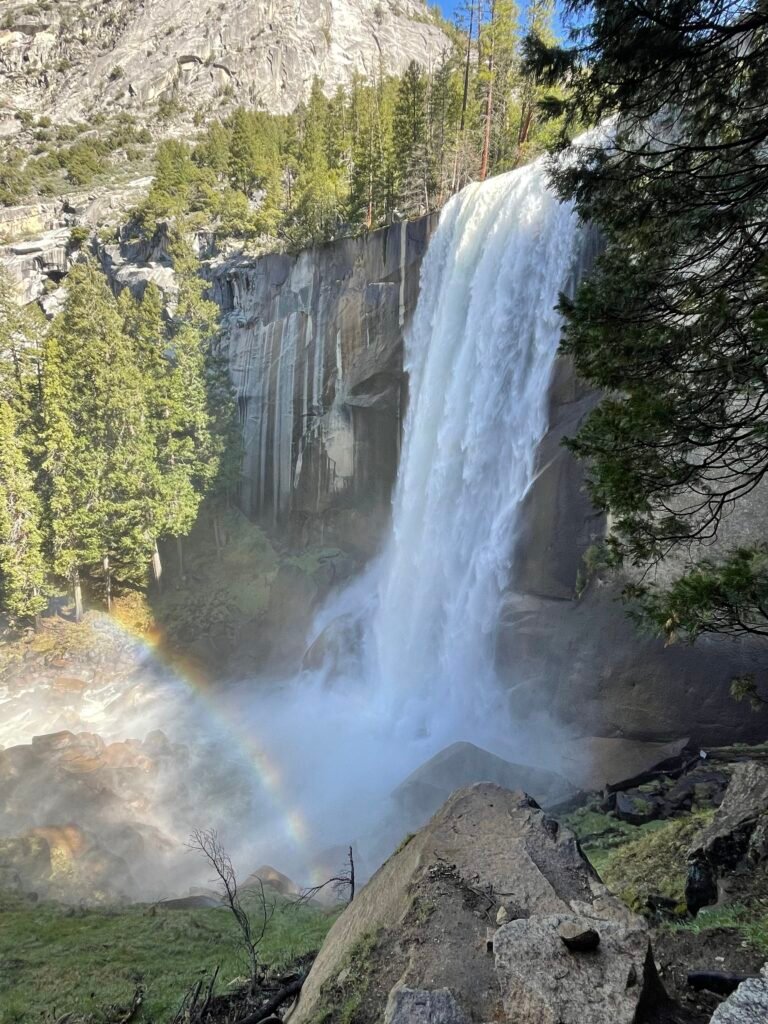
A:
{"points": [[569, 642], [314, 345]]}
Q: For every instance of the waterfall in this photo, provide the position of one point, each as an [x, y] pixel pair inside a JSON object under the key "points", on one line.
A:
{"points": [[410, 659], [479, 355]]}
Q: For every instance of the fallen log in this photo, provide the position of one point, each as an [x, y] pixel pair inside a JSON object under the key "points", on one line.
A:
{"points": [[722, 983], [265, 1012]]}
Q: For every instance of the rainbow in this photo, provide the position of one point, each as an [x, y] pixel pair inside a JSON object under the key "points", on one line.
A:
{"points": [[193, 677]]}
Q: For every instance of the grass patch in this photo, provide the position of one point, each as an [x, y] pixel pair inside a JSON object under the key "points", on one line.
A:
{"points": [[56, 959], [750, 922], [601, 834], [639, 861], [654, 864]]}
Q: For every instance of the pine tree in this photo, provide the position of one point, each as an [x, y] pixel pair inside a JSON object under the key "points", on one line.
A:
{"points": [[321, 191], [410, 128], [99, 449], [671, 326], [23, 578], [444, 114], [532, 91], [199, 448]]}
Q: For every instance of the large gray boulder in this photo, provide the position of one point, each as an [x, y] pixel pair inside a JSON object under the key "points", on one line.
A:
{"points": [[736, 838], [747, 1005], [422, 942]]}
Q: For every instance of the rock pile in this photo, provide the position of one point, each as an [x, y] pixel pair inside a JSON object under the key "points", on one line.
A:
{"points": [[736, 842]]}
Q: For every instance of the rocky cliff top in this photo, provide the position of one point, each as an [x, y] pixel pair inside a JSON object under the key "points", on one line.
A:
{"points": [[80, 57]]}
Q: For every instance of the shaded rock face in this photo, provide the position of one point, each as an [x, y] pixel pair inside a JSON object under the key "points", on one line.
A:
{"points": [[736, 840], [461, 764], [83, 55], [314, 344], [420, 941], [579, 654]]}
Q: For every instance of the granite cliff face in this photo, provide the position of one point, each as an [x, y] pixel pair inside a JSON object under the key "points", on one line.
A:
{"points": [[569, 637], [314, 346], [78, 57]]}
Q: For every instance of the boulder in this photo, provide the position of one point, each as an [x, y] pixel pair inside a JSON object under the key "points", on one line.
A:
{"points": [[198, 901], [420, 1006], [578, 936], [462, 764], [419, 943], [341, 640], [736, 838], [637, 808], [276, 879], [544, 982], [747, 1005]]}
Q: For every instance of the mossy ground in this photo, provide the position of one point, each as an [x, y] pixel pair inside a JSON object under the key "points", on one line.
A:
{"points": [[654, 863], [343, 998], [638, 862], [56, 959]]}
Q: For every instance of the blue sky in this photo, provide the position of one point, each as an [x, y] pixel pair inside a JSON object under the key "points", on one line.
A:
{"points": [[448, 7]]}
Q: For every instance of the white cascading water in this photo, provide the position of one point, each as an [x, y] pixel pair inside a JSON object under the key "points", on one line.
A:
{"points": [[416, 669], [479, 356]]}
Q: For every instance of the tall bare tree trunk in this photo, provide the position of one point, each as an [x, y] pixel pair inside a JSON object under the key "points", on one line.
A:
{"points": [[157, 568], [466, 66], [180, 554], [108, 582], [78, 595], [488, 103]]}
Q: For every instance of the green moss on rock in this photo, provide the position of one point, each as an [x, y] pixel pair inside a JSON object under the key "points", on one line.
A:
{"points": [[654, 864]]}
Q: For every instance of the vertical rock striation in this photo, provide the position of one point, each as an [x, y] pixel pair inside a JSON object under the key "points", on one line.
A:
{"points": [[314, 347]]}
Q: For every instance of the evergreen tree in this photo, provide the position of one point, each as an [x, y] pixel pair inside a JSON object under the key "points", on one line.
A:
{"points": [[411, 150], [321, 190], [444, 115], [99, 449], [534, 93], [672, 324], [23, 579], [199, 447]]}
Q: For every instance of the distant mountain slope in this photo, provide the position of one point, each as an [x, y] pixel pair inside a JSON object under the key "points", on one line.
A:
{"points": [[74, 58]]}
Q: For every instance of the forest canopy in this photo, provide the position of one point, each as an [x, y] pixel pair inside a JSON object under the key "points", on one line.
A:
{"points": [[384, 147]]}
